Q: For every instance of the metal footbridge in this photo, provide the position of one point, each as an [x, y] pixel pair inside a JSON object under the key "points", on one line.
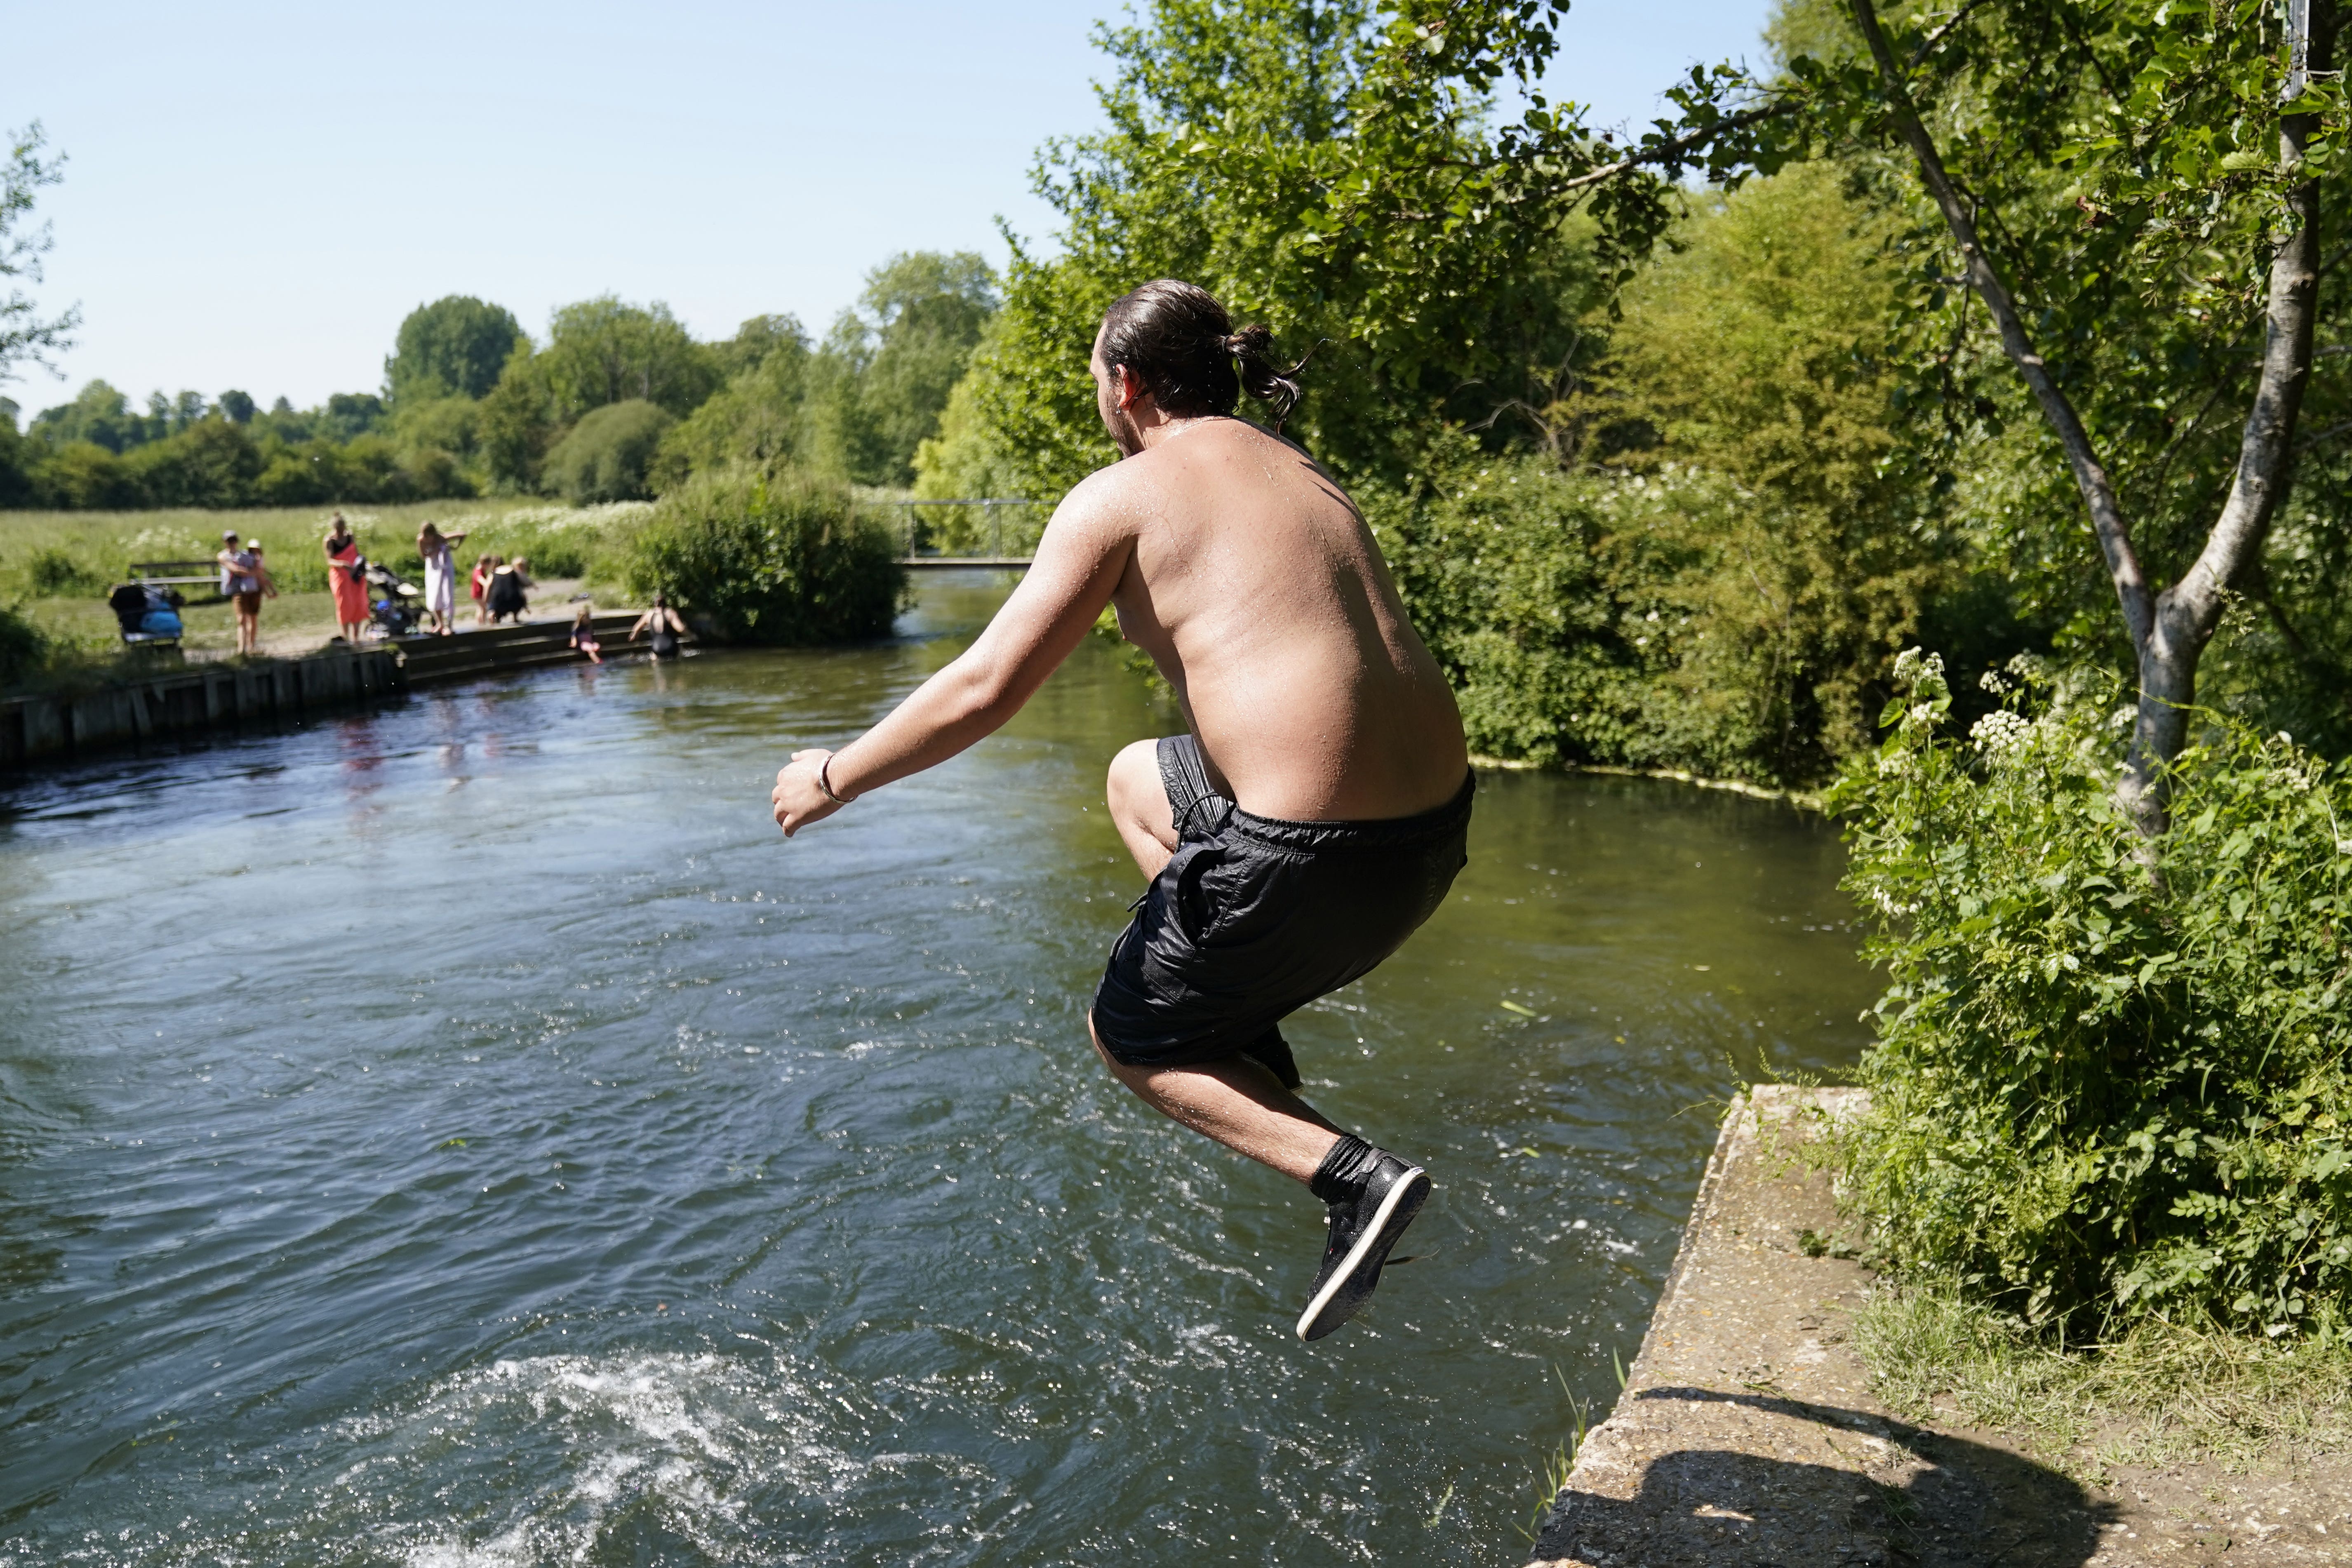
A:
{"points": [[996, 559]]}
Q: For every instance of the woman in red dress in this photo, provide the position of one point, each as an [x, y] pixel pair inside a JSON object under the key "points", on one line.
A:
{"points": [[345, 575]]}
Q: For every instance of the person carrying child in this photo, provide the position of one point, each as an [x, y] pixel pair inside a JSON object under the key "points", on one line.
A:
{"points": [[504, 597], [245, 580]]}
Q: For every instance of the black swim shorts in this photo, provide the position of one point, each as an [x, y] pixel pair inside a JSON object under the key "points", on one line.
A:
{"points": [[1254, 917]]}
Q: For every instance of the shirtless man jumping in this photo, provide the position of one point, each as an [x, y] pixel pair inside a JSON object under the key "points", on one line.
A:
{"points": [[1318, 811]]}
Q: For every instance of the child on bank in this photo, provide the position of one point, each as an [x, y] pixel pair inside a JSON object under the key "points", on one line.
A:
{"points": [[584, 634]]}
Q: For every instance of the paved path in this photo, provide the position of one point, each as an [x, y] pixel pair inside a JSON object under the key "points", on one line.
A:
{"points": [[1747, 1437]]}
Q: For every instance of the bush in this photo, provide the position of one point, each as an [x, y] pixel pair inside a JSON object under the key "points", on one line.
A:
{"points": [[50, 572], [2104, 1089], [82, 475], [212, 463], [16, 458], [605, 456], [560, 542], [1668, 620], [22, 648], [771, 559]]}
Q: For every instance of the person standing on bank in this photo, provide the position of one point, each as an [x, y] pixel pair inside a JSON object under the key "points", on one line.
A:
{"points": [[347, 575], [479, 584], [1318, 811], [244, 579], [439, 552], [223, 561]]}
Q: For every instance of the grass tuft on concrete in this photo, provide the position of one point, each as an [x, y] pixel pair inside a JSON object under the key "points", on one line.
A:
{"points": [[2161, 1395]]}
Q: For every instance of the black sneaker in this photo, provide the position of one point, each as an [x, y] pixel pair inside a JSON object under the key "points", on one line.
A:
{"points": [[1364, 1227]]}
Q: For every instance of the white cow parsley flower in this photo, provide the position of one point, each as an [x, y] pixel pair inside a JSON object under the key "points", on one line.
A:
{"points": [[1999, 734]]}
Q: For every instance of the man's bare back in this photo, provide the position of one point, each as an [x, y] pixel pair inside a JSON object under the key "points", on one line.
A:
{"points": [[1318, 811], [1256, 588], [1248, 575]]}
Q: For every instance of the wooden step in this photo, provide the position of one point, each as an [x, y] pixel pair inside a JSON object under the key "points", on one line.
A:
{"points": [[490, 648]]}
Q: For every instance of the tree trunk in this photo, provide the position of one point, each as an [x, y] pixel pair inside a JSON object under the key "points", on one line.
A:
{"points": [[2187, 613], [2169, 630]]}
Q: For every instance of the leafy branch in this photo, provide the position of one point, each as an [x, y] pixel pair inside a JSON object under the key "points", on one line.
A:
{"points": [[25, 334]]}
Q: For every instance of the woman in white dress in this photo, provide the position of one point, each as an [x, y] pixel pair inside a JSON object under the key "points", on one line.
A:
{"points": [[439, 552]]}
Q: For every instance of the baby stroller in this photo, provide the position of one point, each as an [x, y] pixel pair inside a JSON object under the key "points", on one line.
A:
{"points": [[147, 615], [392, 603]]}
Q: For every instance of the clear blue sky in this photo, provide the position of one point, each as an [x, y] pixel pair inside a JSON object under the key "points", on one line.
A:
{"points": [[256, 195]]}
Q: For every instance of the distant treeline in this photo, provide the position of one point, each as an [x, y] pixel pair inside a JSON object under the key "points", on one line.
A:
{"points": [[618, 403]]}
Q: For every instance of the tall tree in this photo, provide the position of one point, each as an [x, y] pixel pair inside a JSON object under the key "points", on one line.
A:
{"points": [[26, 335], [98, 413], [2195, 136], [925, 311], [1336, 170], [517, 423], [756, 420], [602, 350], [454, 346]]}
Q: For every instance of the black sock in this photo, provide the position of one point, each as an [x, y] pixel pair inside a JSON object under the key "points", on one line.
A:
{"points": [[1345, 1170]]}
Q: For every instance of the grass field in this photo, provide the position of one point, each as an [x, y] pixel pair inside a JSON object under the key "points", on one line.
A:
{"points": [[57, 566]]}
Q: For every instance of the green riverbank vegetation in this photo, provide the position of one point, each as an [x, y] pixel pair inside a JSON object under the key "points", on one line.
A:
{"points": [[778, 558], [2105, 1161], [2099, 1094]]}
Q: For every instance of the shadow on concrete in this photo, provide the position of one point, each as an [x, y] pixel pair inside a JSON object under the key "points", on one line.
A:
{"points": [[1951, 1503]]}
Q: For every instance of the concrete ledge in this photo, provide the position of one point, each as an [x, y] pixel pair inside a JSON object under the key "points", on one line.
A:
{"points": [[1748, 1436], [487, 649], [186, 699]]}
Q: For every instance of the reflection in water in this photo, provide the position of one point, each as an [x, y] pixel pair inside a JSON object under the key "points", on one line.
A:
{"points": [[580, 1173]]}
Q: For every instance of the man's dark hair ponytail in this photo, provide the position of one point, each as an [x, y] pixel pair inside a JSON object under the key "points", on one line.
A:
{"points": [[1178, 341], [1277, 389]]}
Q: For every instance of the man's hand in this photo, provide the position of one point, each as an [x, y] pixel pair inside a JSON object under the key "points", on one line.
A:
{"points": [[799, 798]]}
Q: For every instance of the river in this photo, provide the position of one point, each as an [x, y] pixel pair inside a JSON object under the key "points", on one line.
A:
{"points": [[466, 1132]]}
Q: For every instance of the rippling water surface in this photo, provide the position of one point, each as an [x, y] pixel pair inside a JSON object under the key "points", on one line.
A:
{"points": [[467, 1133]]}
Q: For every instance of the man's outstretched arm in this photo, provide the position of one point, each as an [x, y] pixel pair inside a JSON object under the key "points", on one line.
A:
{"points": [[1078, 566]]}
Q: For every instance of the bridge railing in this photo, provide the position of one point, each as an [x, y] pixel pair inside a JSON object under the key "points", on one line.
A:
{"points": [[993, 507]]}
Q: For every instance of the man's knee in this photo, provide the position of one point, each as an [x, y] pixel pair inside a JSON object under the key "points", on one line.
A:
{"points": [[1139, 805], [1134, 780], [1133, 1076]]}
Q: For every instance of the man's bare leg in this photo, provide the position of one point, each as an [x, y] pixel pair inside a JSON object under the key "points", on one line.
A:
{"points": [[1239, 1104], [1235, 1101]]}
